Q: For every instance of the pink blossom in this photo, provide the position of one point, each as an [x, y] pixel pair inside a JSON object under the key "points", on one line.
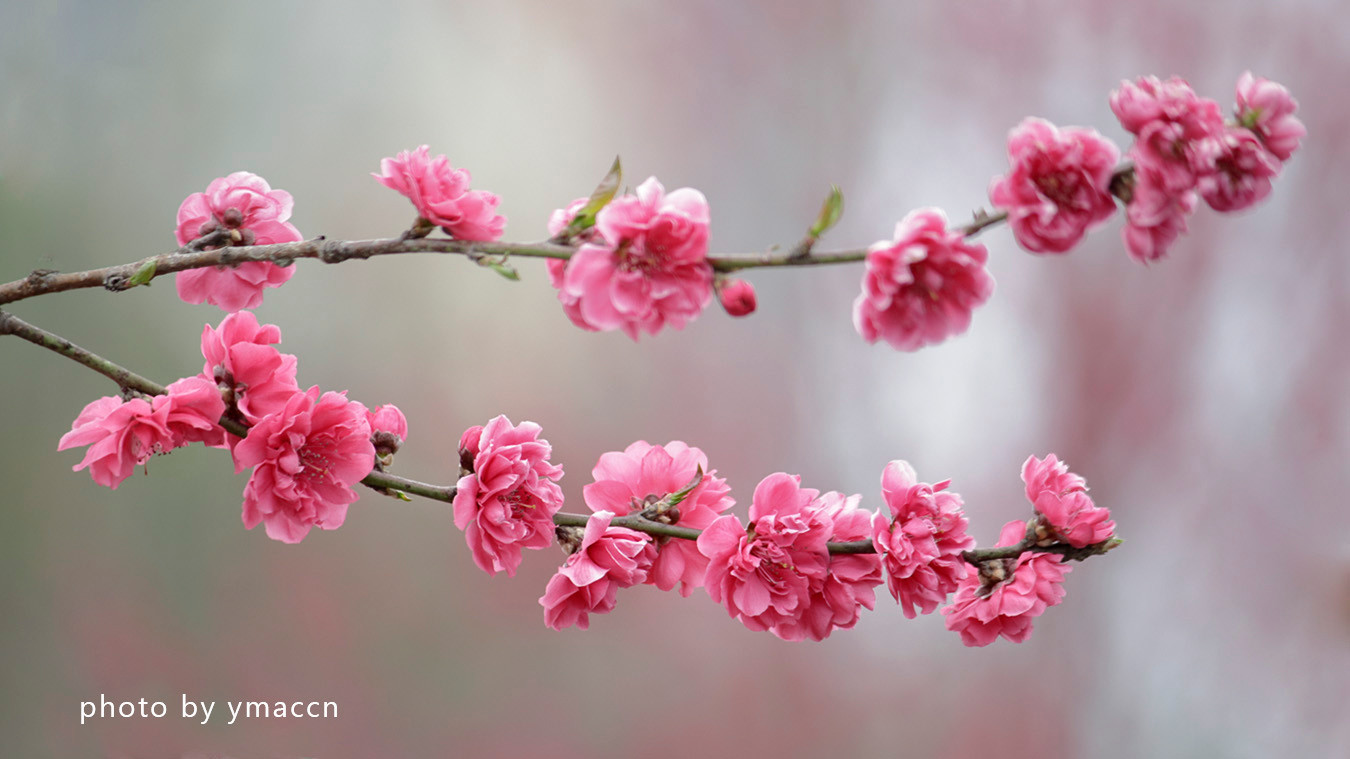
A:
{"points": [[849, 586], [764, 574], [650, 272], [1060, 496], [1243, 171], [921, 545], [123, 435], [1268, 109], [609, 558], [1004, 597], [1059, 184], [241, 359], [388, 429], [1155, 216], [441, 194], [248, 207], [507, 498], [1174, 128], [737, 296], [921, 288], [306, 457], [638, 478]]}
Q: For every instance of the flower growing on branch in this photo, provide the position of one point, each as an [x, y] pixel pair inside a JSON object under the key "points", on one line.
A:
{"points": [[306, 457], [508, 495], [388, 429], [737, 296], [920, 288], [1005, 595], [123, 435], [1267, 109], [921, 544], [243, 210], [849, 584], [648, 270], [1243, 170], [1174, 129], [607, 559], [1059, 184], [441, 194], [241, 360], [1155, 216], [764, 573], [1061, 498], [640, 479]]}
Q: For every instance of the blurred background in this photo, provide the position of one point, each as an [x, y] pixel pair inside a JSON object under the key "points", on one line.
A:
{"points": [[1204, 397]]}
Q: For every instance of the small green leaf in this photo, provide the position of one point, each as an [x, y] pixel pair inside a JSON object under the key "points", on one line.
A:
{"points": [[143, 275], [604, 192], [830, 211], [683, 493], [501, 267]]}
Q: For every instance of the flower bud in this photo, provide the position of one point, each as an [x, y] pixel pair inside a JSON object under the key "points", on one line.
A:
{"points": [[738, 297]]}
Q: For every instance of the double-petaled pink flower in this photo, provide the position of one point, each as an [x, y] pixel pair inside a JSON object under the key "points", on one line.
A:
{"points": [[849, 584], [1005, 595], [1061, 498], [648, 270], [441, 194], [306, 456], [608, 559], [1267, 108], [1173, 126], [1058, 186], [507, 498], [640, 478], [1243, 170], [122, 435], [1155, 216], [242, 360], [921, 543], [764, 573], [246, 207], [921, 287]]}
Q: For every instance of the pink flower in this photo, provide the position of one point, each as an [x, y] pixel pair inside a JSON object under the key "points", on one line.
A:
{"points": [[306, 457], [1059, 185], [849, 586], [608, 559], [1243, 171], [1006, 594], [651, 270], [241, 360], [1268, 109], [507, 498], [123, 435], [1060, 496], [737, 296], [246, 205], [388, 429], [1155, 216], [441, 195], [921, 288], [921, 545], [764, 574], [638, 478], [1174, 129]]}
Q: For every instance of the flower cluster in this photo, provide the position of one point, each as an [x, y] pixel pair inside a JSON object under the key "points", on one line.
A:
{"points": [[441, 195], [306, 449], [1185, 150], [1005, 595]]}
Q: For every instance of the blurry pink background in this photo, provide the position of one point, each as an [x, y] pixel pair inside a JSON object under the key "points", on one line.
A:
{"points": [[1204, 397]]}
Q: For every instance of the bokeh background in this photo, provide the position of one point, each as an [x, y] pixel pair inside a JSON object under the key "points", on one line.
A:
{"points": [[1204, 397]]}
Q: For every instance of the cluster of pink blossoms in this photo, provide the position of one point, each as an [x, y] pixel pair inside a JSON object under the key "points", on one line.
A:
{"points": [[777, 572], [1184, 150], [306, 450]]}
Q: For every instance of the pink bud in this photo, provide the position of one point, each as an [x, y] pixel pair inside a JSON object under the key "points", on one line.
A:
{"points": [[738, 297]]}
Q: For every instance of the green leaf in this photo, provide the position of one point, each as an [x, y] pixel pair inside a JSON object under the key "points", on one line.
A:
{"points": [[604, 192], [143, 275], [830, 211], [683, 493], [501, 267]]}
